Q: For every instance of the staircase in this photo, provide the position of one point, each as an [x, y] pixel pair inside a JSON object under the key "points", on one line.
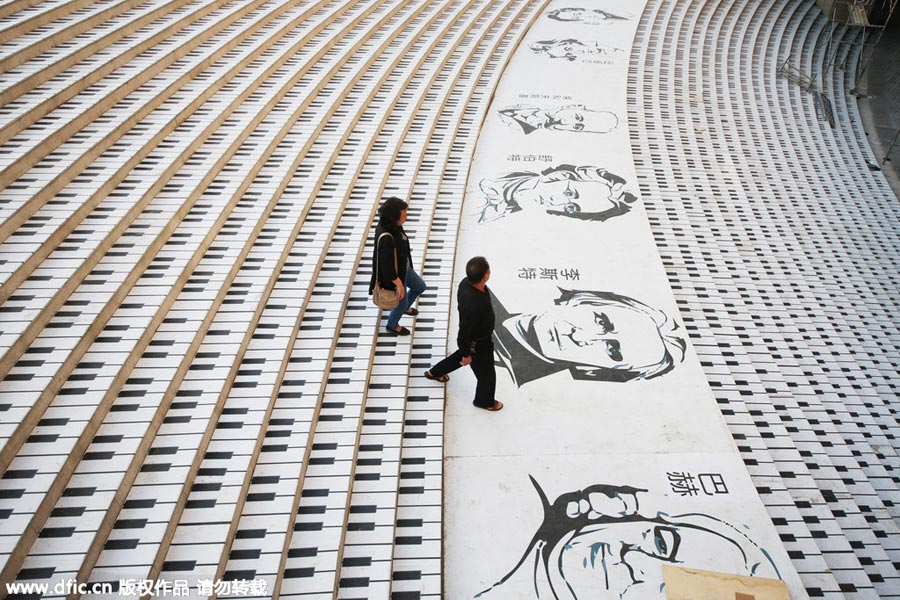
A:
{"points": [[195, 387]]}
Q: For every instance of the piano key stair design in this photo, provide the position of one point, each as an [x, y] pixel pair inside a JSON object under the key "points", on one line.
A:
{"points": [[781, 247], [194, 384]]}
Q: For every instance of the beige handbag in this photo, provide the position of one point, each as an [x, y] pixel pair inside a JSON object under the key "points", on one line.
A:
{"points": [[386, 299]]}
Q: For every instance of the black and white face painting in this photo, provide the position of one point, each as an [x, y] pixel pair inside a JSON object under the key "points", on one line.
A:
{"points": [[572, 117], [597, 543], [585, 193], [588, 16], [571, 49], [596, 336]]}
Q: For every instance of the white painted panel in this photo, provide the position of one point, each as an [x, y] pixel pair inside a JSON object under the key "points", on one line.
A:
{"points": [[605, 400]]}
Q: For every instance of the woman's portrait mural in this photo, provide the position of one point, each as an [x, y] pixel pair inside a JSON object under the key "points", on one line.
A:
{"points": [[588, 16], [586, 193], [570, 48], [573, 117], [597, 543], [596, 336]]}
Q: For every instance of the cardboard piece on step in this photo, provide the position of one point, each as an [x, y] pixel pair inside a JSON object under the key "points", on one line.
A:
{"points": [[694, 584]]}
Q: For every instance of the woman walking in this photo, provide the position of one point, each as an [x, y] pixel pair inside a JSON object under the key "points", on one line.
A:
{"points": [[403, 277]]}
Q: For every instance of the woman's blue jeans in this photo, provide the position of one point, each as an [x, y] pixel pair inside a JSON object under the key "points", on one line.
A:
{"points": [[414, 287]]}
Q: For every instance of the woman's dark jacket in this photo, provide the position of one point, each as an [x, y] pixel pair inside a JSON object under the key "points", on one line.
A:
{"points": [[384, 254]]}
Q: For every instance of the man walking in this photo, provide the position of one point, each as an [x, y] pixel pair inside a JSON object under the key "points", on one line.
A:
{"points": [[475, 346]]}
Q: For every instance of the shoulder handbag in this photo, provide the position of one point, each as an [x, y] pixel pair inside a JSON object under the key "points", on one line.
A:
{"points": [[386, 299]]}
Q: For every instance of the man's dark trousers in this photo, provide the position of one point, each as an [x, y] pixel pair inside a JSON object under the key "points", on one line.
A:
{"points": [[482, 365]]}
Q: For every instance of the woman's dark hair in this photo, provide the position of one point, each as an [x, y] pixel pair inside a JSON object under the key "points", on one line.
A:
{"points": [[390, 210], [476, 269]]}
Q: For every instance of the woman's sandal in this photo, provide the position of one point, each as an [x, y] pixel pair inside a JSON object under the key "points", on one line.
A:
{"points": [[441, 378], [402, 331], [413, 312]]}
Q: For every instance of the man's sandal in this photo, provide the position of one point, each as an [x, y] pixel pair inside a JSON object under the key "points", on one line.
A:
{"points": [[441, 378], [497, 405]]}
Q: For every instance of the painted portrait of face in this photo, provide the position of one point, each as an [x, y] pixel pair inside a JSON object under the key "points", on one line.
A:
{"points": [[573, 117], [570, 48], [586, 193], [599, 336], [603, 332], [596, 543], [590, 16]]}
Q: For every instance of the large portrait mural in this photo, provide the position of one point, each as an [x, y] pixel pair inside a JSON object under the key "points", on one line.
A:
{"points": [[595, 336], [605, 404], [588, 16], [584, 193], [572, 117], [597, 543], [572, 49]]}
